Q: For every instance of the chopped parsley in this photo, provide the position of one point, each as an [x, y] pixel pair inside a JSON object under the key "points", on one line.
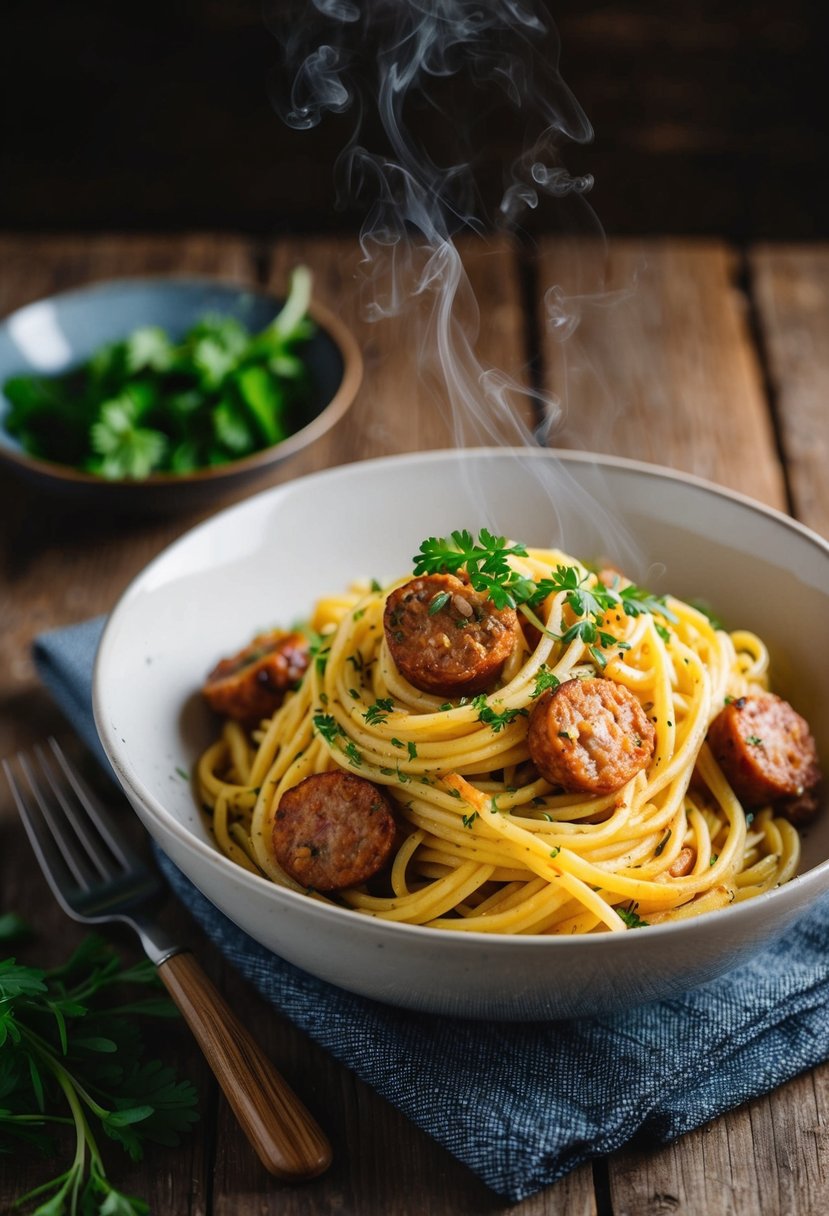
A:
{"points": [[492, 718], [544, 679], [327, 726], [754, 740], [319, 647], [379, 711], [354, 755], [468, 820], [631, 918]]}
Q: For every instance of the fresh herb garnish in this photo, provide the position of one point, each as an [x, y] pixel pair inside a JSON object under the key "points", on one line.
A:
{"points": [[544, 679], [492, 718], [354, 754], [486, 563], [319, 647], [71, 1053], [631, 918], [379, 711], [327, 726], [148, 404], [754, 740], [468, 820]]}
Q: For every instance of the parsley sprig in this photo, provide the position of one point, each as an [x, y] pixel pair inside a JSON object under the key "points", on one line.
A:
{"points": [[71, 1053], [486, 562]]}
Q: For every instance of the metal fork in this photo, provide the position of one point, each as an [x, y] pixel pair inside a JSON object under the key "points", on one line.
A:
{"points": [[95, 877]]}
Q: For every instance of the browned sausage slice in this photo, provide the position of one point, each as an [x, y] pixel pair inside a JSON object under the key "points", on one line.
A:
{"points": [[590, 736], [767, 754], [445, 638], [333, 830], [252, 684]]}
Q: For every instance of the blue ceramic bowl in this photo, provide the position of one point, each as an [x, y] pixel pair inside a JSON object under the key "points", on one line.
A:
{"points": [[60, 332]]}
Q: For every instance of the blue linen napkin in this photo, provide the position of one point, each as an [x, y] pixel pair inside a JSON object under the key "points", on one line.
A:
{"points": [[522, 1105]]}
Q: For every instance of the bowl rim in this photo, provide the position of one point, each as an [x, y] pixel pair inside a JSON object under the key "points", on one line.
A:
{"points": [[493, 941], [331, 413]]}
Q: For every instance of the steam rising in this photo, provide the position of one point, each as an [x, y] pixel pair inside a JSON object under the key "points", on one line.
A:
{"points": [[381, 60]]}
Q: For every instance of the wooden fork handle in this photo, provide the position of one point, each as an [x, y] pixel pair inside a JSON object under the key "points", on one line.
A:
{"points": [[287, 1139]]}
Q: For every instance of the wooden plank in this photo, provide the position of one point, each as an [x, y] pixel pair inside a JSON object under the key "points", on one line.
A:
{"points": [[791, 285], [660, 365], [409, 401], [768, 1157]]}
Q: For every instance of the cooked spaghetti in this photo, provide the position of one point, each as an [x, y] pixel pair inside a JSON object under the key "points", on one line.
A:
{"points": [[484, 841]]}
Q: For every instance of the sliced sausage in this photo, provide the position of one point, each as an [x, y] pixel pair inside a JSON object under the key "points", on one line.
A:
{"points": [[767, 754], [590, 736], [252, 684], [445, 638], [333, 830]]}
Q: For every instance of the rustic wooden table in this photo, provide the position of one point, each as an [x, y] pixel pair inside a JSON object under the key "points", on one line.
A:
{"points": [[717, 363]]}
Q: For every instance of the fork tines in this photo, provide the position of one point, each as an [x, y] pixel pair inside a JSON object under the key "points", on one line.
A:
{"points": [[73, 836]]}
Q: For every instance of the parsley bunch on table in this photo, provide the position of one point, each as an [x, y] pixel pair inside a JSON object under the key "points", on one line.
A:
{"points": [[71, 1053], [149, 404]]}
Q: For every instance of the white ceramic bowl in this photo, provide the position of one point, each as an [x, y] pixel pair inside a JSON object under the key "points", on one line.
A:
{"points": [[266, 560]]}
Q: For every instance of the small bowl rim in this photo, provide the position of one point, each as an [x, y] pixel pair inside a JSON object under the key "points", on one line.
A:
{"points": [[331, 413], [498, 942]]}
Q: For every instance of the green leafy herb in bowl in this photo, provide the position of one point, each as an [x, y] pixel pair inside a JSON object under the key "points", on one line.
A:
{"points": [[151, 404], [152, 394]]}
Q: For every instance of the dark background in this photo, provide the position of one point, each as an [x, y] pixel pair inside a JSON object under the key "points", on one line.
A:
{"points": [[709, 118]]}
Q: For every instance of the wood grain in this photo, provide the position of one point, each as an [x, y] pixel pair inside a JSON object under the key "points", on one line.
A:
{"points": [[410, 400], [791, 285], [660, 364]]}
